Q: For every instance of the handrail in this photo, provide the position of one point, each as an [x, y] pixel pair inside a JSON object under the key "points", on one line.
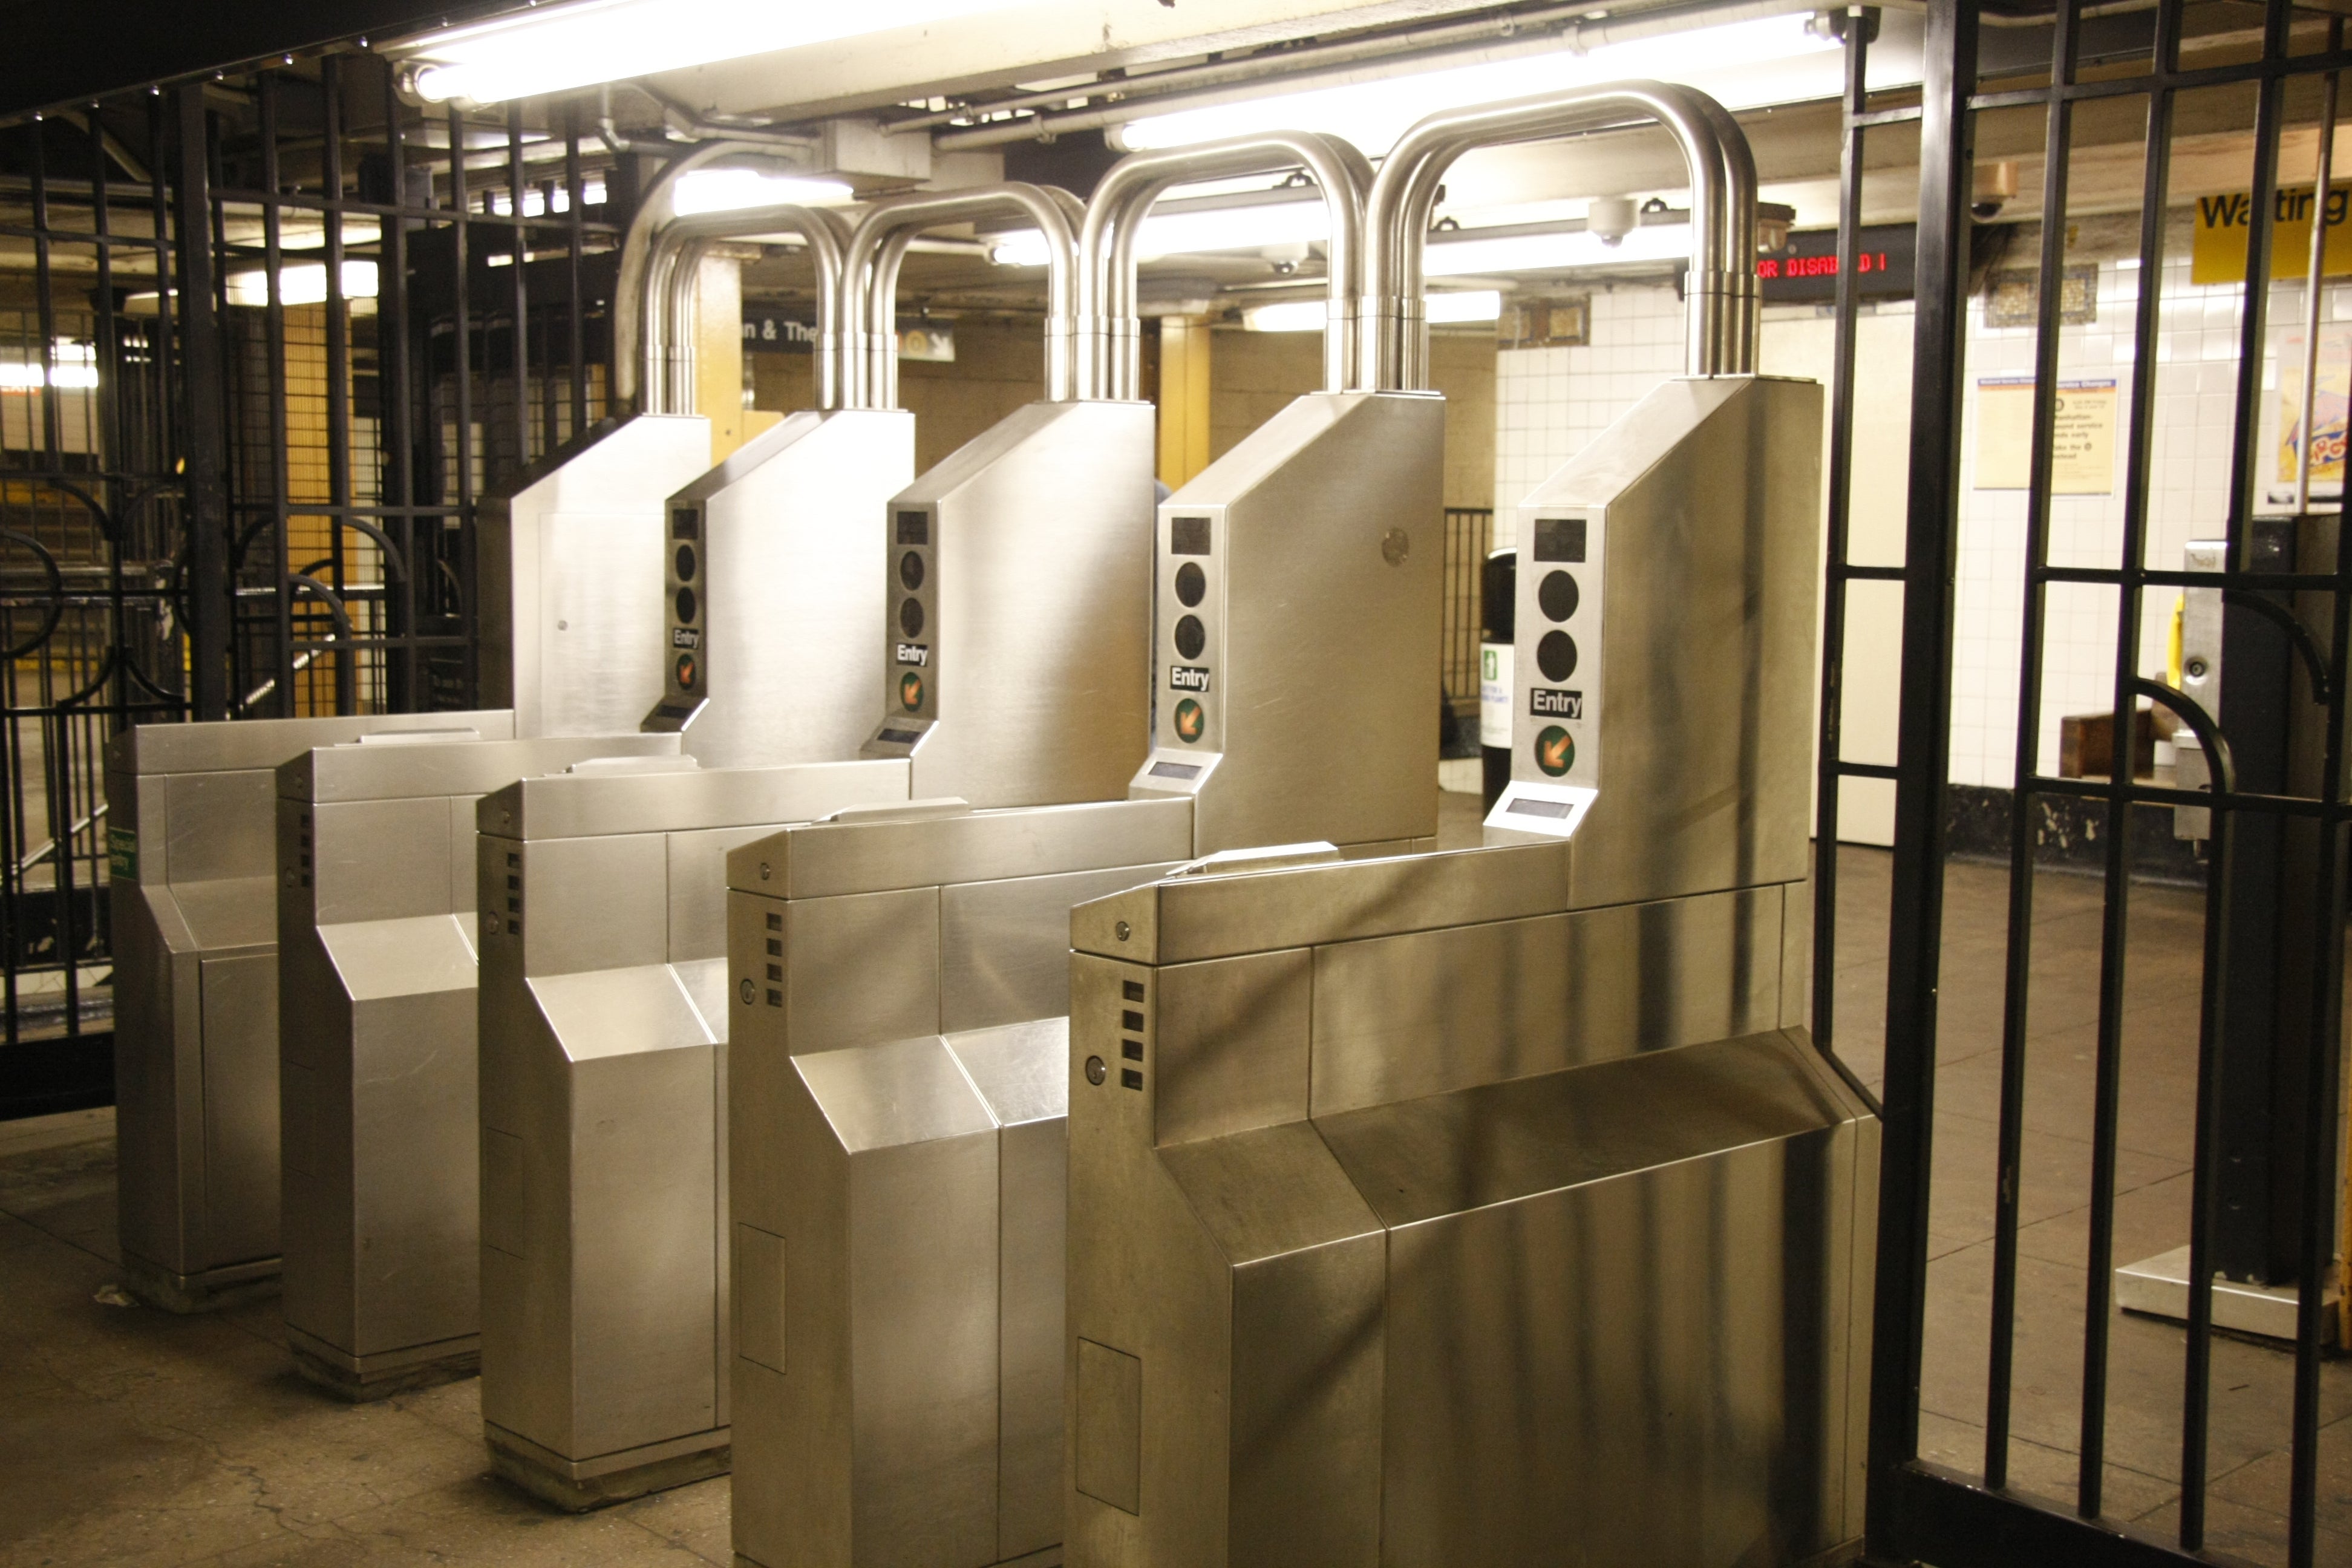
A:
{"points": [[670, 279], [879, 244], [633, 303], [1720, 293], [1109, 332]]}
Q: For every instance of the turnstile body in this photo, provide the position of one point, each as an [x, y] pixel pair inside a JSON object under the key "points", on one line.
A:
{"points": [[191, 831], [376, 1047], [774, 584], [1492, 1207], [919, 1165], [604, 1097], [1300, 587], [571, 576], [1018, 618], [895, 1103], [1418, 1215]]}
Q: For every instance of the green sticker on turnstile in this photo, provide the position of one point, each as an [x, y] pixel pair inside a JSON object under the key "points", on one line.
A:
{"points": [[1554, 751], [1189, 720], [123, 854], [911, 691]]}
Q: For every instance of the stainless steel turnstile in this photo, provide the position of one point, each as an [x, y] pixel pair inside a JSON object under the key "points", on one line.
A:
{"points": [[604, 1087], [570, 590], [599, 1350], [571, 582], [899, 984], [376, 1033], [898, 1138], [1018, 613], [774, 557], [1492, 1207], [1418, 1215], [191, 832]]}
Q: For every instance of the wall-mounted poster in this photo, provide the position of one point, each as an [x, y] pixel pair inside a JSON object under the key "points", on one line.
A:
{"points": [[2082, 446], [2332, 392]]}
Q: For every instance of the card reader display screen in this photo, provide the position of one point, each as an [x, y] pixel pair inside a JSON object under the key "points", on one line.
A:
{"points": [[684, 523], [1524, 806], [1188, 536], [1175, 771], [897, 737], [1560, 539], [913, 528]]}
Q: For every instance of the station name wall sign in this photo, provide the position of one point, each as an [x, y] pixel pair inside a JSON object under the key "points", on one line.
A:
{"points": [[769, 329], [1806, 269]]}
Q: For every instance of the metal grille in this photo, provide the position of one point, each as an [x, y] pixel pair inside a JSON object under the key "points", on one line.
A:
{"points": [[265, 344], [1469, 534], [1932, 1513]]}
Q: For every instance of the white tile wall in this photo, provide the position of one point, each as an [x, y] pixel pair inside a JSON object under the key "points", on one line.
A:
{"points": [[1550, 402]]}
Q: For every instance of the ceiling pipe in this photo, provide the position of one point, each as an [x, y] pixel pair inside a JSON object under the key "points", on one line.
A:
{"points": [[1550, 30], [1720, 289], [1109, 330], [879, 244]]}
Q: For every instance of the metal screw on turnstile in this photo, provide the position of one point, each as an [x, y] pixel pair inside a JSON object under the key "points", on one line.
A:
{"points": [[1096, 1071], [747, 991], [1122, 930], [763, 870]]}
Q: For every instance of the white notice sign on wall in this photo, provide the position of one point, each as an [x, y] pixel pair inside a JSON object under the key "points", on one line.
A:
{"points": [[2083, 451]]}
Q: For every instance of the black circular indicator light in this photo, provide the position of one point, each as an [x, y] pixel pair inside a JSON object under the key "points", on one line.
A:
{"points": [[1192, 636], [685, 604], [686, 562], [910, 617], [1557, 595], [1556, 655], [911, 571], [1192, 583]]}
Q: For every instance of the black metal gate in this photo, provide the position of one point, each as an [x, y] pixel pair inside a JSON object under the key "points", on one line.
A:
{"points": [[1983, 63], [265, 341]]}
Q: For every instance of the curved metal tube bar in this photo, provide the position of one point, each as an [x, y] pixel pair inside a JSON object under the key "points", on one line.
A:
{"points": [[669, 373], [1109, 332], [636, 303], [879, 244], [1720, 293]]}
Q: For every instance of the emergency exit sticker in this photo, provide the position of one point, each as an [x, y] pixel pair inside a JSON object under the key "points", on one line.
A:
{"points": [[123, 854]]}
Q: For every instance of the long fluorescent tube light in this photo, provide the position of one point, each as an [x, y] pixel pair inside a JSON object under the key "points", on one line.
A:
{"points": [[732, 190], [1191, 233], [1559, 252], [558, 48], [301, 284], [1373, 114], [1307, 315], [72, 367]]}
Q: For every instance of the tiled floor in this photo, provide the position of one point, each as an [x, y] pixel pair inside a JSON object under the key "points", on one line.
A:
{"points": [[128, 1437]]}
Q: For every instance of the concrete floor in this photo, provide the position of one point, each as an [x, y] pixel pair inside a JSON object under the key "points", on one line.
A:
{"points": [[131, 1437]]}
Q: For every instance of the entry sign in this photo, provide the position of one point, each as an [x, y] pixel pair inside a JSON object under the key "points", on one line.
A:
{"points": [[2218, 252]]}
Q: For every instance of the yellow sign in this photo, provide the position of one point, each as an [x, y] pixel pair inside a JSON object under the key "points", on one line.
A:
{"points": [[2331, 392], [2218, 254], [2083, 451]]}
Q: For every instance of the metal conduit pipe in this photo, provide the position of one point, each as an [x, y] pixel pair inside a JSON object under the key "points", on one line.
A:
{"points": [[1109, 331], [670, 364], [1720, 292], [878, 245]]}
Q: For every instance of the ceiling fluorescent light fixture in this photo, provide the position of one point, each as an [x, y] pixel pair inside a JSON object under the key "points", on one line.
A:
{"points": [[732, 190], [558, 48], [72, 367], [301, 284], [1373, 114], [1440, 310], [1561, 252], [1191, 233]]}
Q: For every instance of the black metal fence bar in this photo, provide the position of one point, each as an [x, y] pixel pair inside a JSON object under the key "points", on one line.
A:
{"points": [[1919, 1511]]}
